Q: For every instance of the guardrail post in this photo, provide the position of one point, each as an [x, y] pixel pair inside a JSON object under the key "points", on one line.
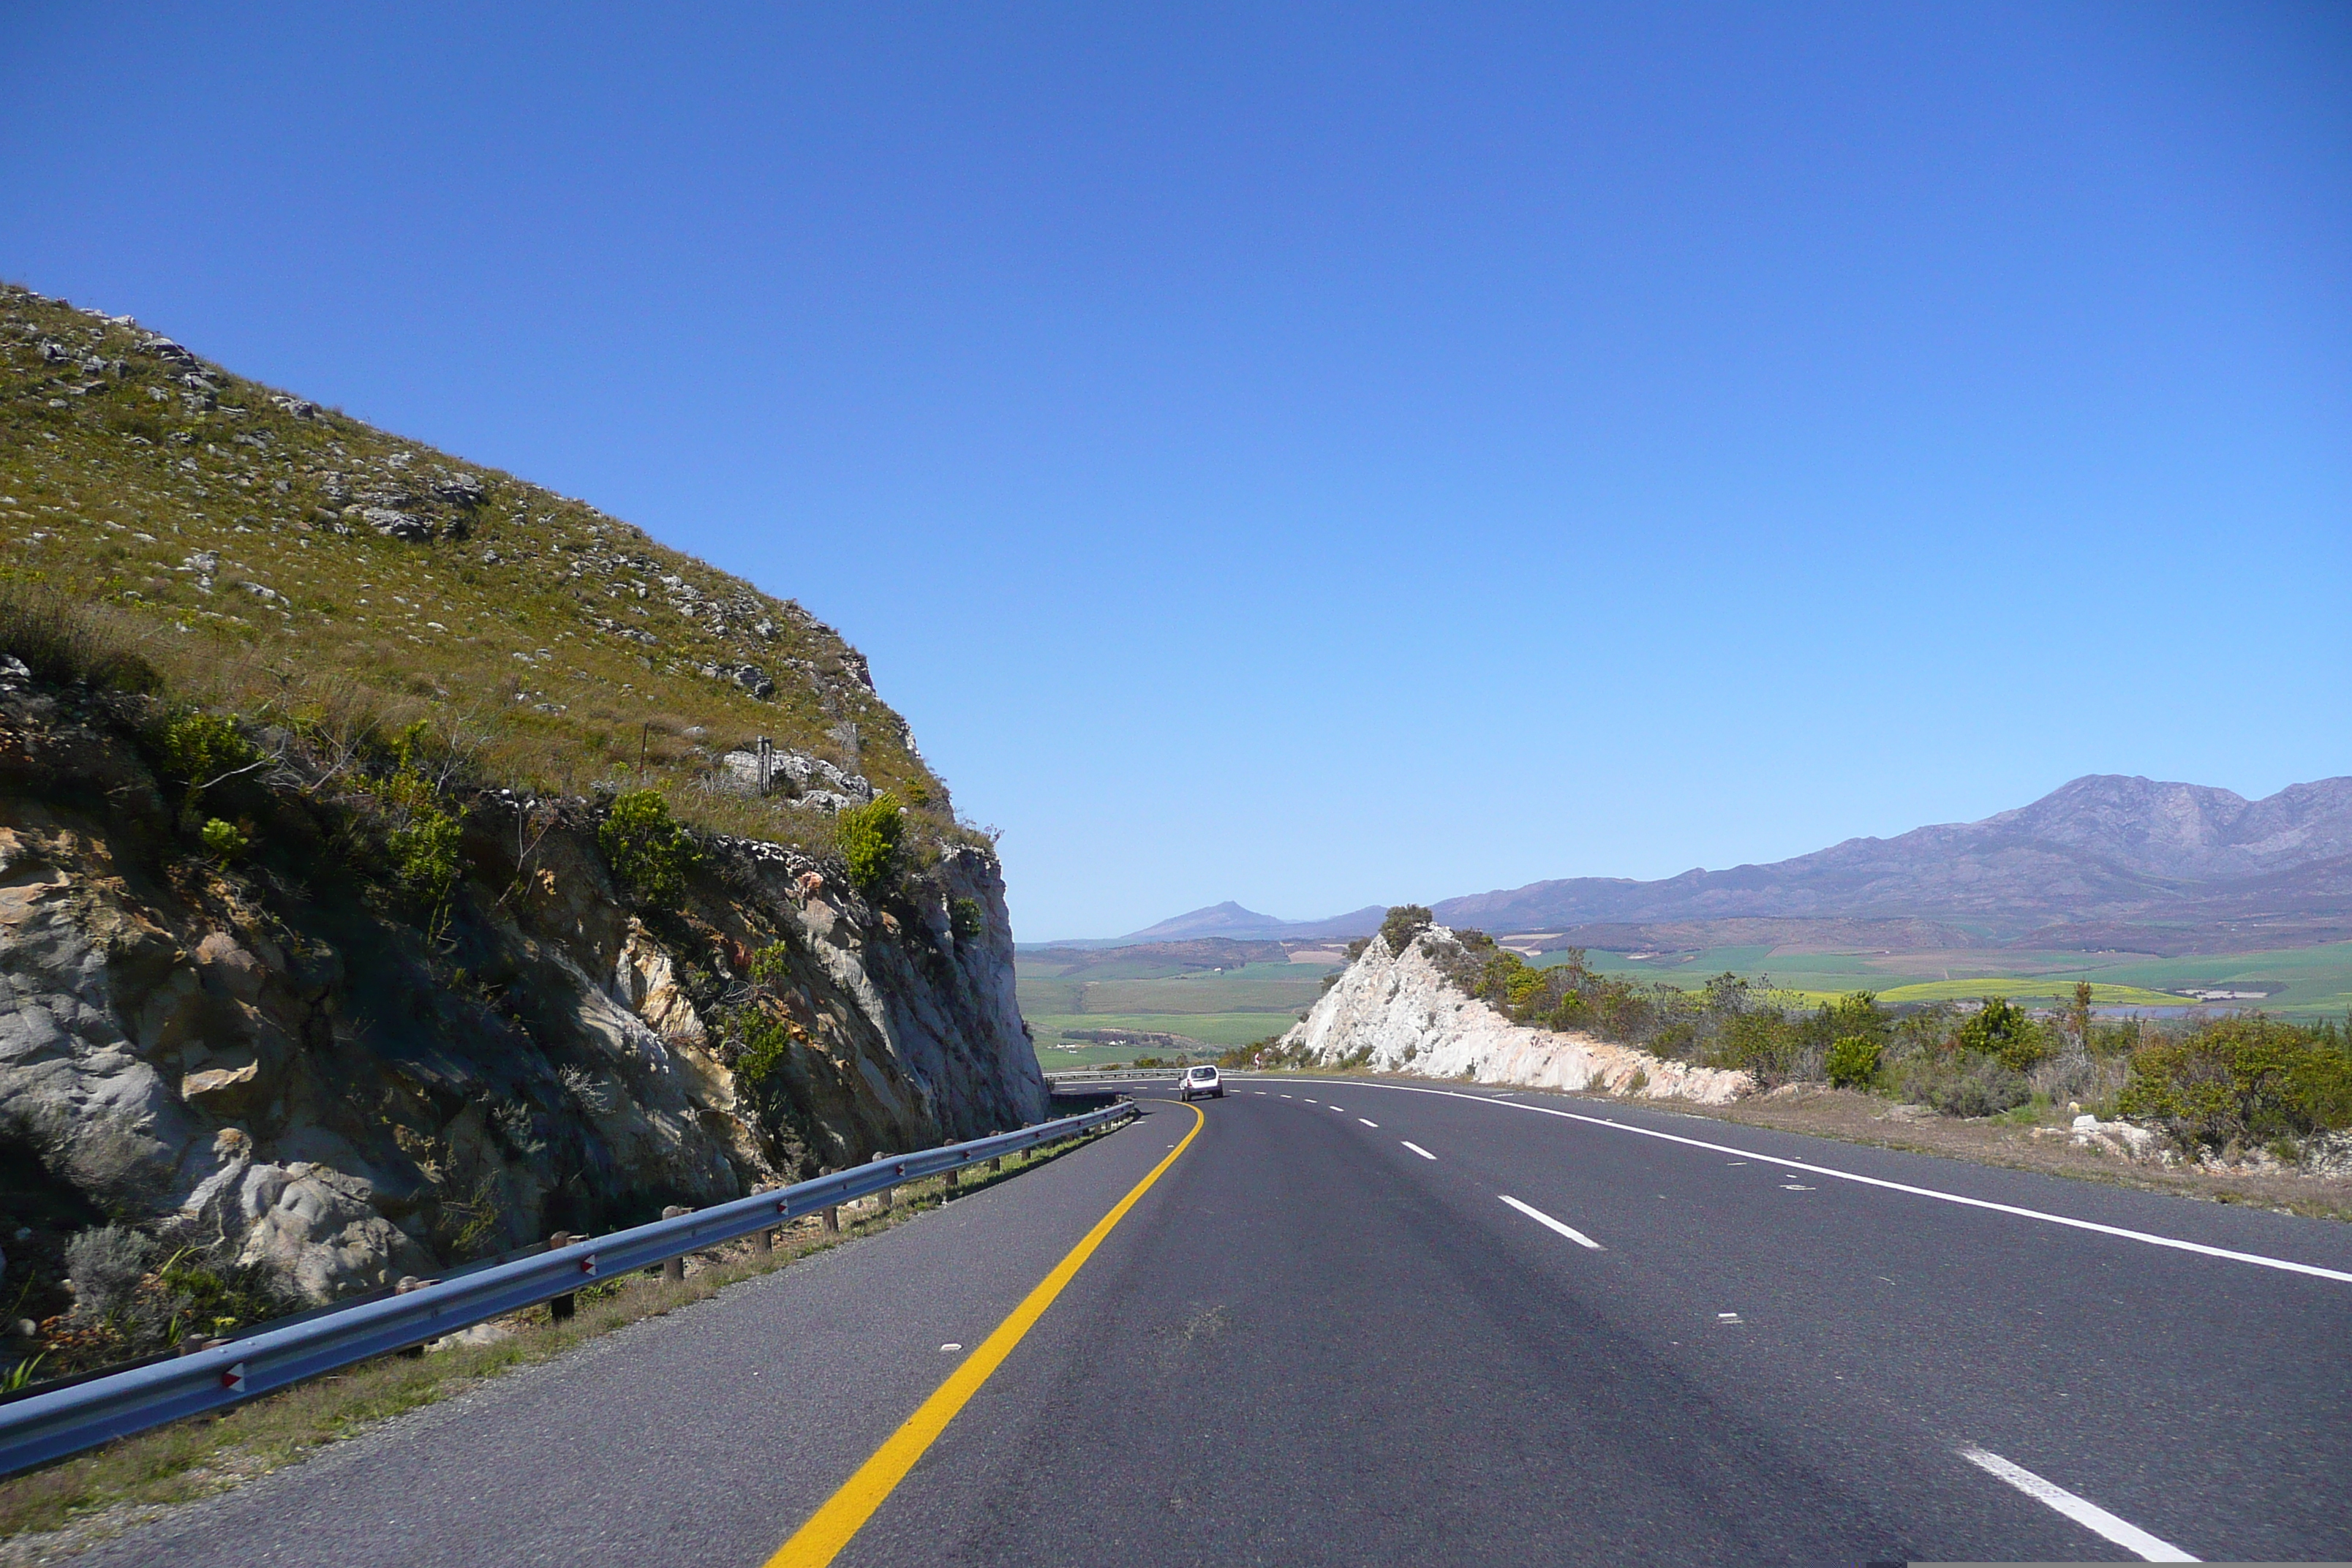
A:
{"points": [[996, 1163], [411, 1282], [562, 1307], [674, 1268], [952, 1184], [829, 1219]]}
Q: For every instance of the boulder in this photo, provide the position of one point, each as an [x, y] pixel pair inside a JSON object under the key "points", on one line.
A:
{"points": [[394, 523]]}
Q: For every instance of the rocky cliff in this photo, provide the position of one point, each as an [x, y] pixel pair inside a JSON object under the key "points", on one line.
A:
{"points": [[326, 953], [1398, 1013], [274, 1057]]}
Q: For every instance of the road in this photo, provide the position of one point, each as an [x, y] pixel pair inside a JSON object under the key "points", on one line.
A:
{"points": [[1356, 1322]]}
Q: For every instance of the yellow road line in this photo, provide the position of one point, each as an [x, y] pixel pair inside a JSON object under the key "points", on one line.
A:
{"points": [[845, 1513]]}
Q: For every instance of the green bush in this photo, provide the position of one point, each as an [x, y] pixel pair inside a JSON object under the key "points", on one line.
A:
{"points": [[1762, 1042], [200, 749], [2000, 1030], [1852, 1061], [2242, 1080], [767, 1039], [967, 920], [870, 836], [1404, 922], [649, 851], [222, 840], [425, 853]]}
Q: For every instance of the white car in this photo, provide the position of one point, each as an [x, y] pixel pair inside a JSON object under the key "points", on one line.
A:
{"points": [[1201, 1081]]}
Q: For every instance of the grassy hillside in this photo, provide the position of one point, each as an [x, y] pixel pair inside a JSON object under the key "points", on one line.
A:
{"points": [[284, 561]]}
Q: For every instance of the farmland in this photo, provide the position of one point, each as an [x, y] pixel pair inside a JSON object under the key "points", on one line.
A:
{"points": [[2304, 982], [1155, 992]]}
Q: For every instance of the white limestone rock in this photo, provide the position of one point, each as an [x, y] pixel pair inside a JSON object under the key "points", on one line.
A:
{"points": [[1402, 1014]]}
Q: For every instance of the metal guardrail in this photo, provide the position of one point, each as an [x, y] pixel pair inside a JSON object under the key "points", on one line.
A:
{"points": [[1080, 1075], [47, 1425]]}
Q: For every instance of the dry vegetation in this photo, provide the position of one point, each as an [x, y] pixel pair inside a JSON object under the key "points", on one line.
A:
{"points": [[275, 560]]}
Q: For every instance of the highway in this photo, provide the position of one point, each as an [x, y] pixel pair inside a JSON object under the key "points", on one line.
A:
{"points": [[1355, 1321]]}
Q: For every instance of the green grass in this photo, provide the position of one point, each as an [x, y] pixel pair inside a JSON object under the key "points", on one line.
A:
{"points": [[1221, 1029], [2103, 995], [519, 623], [2308, 981]]}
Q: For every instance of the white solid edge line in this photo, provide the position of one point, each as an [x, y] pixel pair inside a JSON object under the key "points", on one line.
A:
{"points": [[1417, 1149], [2289, 1264], [1542, 1218], [2087, 1514], [1367, 1121]]}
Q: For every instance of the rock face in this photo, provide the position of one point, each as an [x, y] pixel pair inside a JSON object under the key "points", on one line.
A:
{"points": [[273, 1056], [1399, 1014]]}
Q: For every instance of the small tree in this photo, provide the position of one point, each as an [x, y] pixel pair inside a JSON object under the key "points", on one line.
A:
{"points": [[650, 850], [2001, 1030], [870, 836]]}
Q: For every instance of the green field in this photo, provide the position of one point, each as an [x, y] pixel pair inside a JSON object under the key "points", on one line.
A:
{"points": [[1236, 1006], [2304, 981], [1219, 1008]]}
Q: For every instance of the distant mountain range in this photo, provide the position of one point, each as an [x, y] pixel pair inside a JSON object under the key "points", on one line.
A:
{"points": [[2104, 863], [1234, 923]]}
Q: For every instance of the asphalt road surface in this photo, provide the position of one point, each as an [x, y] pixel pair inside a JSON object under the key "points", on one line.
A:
{"points": [[1358, 1322]]}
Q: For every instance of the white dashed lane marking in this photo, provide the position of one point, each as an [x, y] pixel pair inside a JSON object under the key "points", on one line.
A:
{"points": [[1417, 1149], [2087, 1514], [1368, 1124], [1545, 1220]]}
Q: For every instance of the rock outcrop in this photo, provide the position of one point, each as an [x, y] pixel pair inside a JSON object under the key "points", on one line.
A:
{"points": [[276, 1058], [1398, 1013]]}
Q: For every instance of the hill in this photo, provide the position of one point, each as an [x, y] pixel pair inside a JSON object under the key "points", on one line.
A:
{"points": [[1231, 921], [393, 874], [268, 555]]}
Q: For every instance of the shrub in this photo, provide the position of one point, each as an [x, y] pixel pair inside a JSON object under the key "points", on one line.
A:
{"points": [[766, 1041], [106, 1263], [1761, 1042], [425, 853], [222, 840], [967, 920], [1964, 1083], [204, 1297], [1404, 922], [650, 851], [2243, 1079], [870, 836], [2000, 1030], [1852, 1061], [201, 749]]}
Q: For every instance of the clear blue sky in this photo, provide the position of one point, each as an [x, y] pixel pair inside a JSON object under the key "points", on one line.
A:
{"points": [[1320, 456]]}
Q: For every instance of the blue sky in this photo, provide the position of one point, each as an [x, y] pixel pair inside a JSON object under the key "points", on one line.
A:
{"points": [[1320, 456]]}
